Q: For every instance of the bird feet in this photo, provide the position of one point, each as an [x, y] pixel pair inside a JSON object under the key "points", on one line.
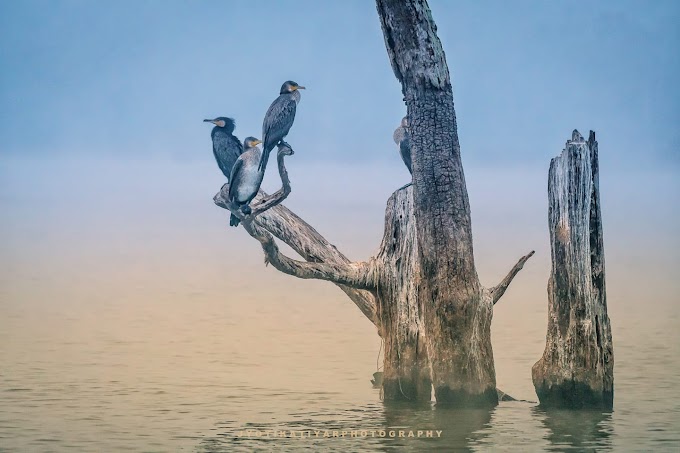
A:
{"points": [[246, 209], [285, 148]]}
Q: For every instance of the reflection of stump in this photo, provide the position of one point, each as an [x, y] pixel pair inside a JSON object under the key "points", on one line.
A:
{"points": [[588, 430], [577, 367], [450, 429]]}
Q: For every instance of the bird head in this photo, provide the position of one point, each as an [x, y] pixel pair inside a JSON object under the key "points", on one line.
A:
{"points": [[223, 121], [290, 86], [404, 121], [251, 142]]}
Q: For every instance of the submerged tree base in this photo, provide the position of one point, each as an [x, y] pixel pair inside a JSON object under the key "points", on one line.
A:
{"points": [[407, 390], [572, 394], [461, 398]]}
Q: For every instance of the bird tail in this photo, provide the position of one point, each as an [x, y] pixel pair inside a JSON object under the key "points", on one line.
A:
{"points": [[264, 159], [234, 221]]}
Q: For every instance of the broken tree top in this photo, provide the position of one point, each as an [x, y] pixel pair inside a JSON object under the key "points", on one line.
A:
{"points": [[577, 367]]}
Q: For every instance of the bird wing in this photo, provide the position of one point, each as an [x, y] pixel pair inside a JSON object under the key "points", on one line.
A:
{"points": [[234, 179], [278, 120], [405, 151], [226, 149], [277, 123]]}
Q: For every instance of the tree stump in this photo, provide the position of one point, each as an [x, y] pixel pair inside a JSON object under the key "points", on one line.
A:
{"points": [[406, 366], [577, 367], [456, 309]]}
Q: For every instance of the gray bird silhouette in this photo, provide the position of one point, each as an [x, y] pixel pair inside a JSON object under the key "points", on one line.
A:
{"points": [[246, 178], [226, 146], [279, 118], [402, 138]]}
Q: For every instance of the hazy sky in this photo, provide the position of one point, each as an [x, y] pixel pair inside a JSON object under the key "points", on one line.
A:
{"points": [[103, 148], [108, 229], [137, 77]]}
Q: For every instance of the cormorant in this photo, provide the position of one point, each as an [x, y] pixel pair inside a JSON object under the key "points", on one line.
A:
{"points": [[279, 118], [226, 146], [402, 138], [246, 177]]}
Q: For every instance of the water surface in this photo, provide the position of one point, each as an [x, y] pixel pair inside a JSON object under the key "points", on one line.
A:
{"points": [[133, 319]]}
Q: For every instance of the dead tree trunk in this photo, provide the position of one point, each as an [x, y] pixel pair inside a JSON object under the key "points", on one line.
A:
{"points": [[421, 290], [406, 365], [396, 275], [456, 309], [384, 288], [577, 367]]}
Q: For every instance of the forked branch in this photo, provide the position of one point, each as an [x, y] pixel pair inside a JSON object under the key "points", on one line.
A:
{"points": [[270, 216], [277, 197], [265, 202]]}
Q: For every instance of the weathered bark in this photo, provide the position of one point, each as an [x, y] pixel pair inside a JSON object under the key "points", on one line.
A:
{"points": [[577, 367], [406, 372], [421, 290], [456, 309], [396, 275], [391, 276]]}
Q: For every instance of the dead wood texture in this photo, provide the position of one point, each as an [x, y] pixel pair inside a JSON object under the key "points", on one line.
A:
{"points": [[421, 290], [456, 309], [577, 367], [406, 372]]}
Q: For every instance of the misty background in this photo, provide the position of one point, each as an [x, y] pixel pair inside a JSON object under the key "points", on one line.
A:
{"points": [[107, 177]]}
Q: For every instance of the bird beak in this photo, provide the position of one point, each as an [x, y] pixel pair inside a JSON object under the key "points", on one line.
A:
{"points": [[209, 121], [300, 87], [257, 142]]}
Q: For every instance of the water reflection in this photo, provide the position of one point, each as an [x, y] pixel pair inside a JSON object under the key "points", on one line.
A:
{"points": [[580, 429], [454, 429], [385, 427]]}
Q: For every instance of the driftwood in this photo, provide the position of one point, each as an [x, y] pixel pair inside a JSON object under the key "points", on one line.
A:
{"points": [[577, 367]]}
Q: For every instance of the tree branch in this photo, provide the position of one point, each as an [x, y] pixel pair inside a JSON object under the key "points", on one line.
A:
{"points": [[276, 198], [271, 216], [262, 202], [498, 290], [354, 275]]}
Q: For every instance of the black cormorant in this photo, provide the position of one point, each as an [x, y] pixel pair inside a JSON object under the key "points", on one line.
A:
{"points": [[246, 177], [279, 118], [226, 146], [402, 138]]}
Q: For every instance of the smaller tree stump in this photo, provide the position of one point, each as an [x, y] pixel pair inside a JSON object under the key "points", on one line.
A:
{"points": [[577, 367]]}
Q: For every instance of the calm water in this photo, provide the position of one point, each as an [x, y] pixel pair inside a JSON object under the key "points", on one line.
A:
{"points": [[126, 326], [175, 375]]}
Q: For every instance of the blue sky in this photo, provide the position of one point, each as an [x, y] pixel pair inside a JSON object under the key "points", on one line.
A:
{"points": [[136, 78]]}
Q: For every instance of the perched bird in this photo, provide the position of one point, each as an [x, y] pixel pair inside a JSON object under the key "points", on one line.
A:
{"points": [[226, 146], [279, 118], [402, 138], [246, 177]]}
